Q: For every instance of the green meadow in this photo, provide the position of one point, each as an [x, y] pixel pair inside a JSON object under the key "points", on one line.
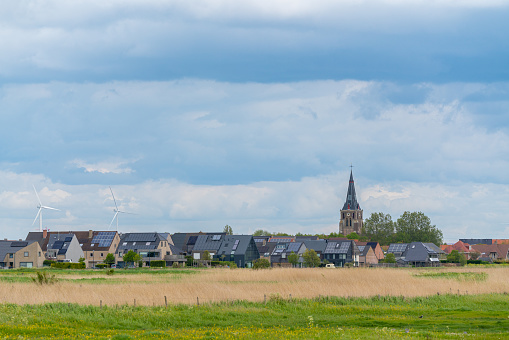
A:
{"points": [[447, 316]]}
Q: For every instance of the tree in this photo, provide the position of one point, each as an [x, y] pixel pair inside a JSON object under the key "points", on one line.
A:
{"points": [[228, 230], [261, 264], [311, 258], [110, 259], [293, 259], [416, 227], [352, 236], [206, 256], [475, 255], [389, 258], [261, 232], [379, 227], [131, 257], [457, 257]]}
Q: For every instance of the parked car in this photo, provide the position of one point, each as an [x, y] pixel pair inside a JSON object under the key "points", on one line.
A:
{"points": [[330, 265], [113, 266]]}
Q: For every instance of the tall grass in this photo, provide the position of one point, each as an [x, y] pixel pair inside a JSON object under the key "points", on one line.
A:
{"points": [[218, 285]]}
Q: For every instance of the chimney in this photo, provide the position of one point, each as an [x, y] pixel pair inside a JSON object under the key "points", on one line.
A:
{"points": [[45, 233], [90, 233]]}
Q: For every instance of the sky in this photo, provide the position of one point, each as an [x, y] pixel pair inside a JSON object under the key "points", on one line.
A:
{"points": [[200, 114]]}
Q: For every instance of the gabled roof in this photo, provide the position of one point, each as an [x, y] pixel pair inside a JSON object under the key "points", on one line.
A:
{"points": [[459, 246], [180, 240], [338, 247], [141, 241], [267, 249], [434, 247], [351, 198], [501, 250], [11, 247], [238, 244], [318, 245], [418, 252], [208, 242], [99, 240], [397, 247], [59, 242], [282, 239]]}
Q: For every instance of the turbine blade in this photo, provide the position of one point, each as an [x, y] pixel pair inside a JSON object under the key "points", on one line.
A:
{"points": [[36, 216], [116, 213], [50, 208], [125, 212], [36, 194], [114, 200]]}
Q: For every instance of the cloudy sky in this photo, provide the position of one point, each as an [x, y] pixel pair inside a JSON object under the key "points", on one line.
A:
{"points": [[205, 113]]}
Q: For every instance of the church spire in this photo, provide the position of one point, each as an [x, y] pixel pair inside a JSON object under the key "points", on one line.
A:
{"points": [[351, 198]]}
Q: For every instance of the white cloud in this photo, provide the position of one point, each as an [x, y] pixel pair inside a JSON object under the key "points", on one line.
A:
{"points": [[310, 205], [106, 167]]}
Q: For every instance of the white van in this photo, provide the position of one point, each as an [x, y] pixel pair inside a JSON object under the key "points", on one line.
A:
{"points": [[330, 265]]}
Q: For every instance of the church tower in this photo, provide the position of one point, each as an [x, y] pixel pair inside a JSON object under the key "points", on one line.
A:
{"points": [[350, 217]]}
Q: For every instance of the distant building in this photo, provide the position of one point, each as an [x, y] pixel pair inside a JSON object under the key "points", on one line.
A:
{"points": [[20, 254], [351, 215]]}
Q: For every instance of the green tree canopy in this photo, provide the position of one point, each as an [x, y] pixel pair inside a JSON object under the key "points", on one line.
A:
{"points": [[293, 259], [389, 258], [416, 227], [228, 230], [352, 236], [261, 232], [206, 255], [110, 259], [311, 258], [457, 257], [261, 264], [379, 227], [131, 257]]}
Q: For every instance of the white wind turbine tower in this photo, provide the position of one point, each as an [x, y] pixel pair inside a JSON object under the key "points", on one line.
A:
{"points": [[41, 207], [117, 211]]}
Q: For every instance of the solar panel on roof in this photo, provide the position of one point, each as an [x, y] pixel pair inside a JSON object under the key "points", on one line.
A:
{"points": [[428, 248], [397, 248], [216, 237], [68, 239], [344, 247], [104, 238], [236, 245]]}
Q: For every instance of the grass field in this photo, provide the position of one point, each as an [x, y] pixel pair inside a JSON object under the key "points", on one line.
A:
{"points": [[324, 304]]}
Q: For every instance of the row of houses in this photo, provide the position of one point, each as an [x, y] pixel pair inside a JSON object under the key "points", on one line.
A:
{"points": [[243, 250], [488, 250]]}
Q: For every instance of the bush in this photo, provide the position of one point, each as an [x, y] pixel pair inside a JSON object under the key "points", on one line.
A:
{"points": [[42, 278], [158, 264], [110, 271], [102, 265], [261, 264], [189, 261], [48, 263], [68, 265]]}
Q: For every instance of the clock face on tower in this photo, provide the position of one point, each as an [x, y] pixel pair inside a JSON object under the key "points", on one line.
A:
{"points": [[348, 214]]}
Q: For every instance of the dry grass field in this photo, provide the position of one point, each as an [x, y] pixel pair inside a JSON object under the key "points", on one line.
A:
{"points": [[215, 285]]}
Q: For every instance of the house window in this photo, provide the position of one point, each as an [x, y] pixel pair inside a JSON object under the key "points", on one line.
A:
{"points": [[102, 255], [11, 256], [93, 244], [119, 253], [26, 254], [39, 254], [147, 244], [26, 264], [134, 243], [124, 244], [91, 254]]}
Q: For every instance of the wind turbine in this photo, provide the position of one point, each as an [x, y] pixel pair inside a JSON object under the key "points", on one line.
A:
{"points": [[117, 211], [40, 207]]}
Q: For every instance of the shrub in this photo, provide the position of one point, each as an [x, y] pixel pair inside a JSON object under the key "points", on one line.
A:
{"points": [[42, 278], [48, 263], [158, 264], [68, 265], [189, 261], [261, 264], [457, 257], [110, 271], [102, 265]]}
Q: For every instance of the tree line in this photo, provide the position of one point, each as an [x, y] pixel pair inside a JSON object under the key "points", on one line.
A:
{"points": [[379, 227]]}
